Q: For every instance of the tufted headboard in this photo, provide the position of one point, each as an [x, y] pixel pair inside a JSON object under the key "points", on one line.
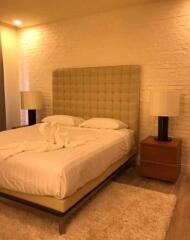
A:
{"points": [[98, 92]]}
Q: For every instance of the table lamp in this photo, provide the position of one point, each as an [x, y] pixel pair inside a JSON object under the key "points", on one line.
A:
{"points": [[164, 104], [31, 101]]}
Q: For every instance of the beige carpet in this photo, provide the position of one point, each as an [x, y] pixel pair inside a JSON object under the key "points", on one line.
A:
{"points": [[118, 212]]}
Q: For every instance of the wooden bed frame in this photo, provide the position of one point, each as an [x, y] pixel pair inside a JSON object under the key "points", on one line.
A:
{"points": [[93, 92]]}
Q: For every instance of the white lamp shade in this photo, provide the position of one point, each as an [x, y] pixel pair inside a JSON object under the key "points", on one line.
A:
{"points": [[165, 103], [31, 100]]}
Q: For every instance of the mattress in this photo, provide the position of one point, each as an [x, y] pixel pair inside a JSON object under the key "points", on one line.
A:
{"points": [[62, 205], [61, 173]]}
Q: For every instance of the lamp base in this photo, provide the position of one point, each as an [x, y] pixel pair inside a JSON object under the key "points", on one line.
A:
{"points": [[163, 129], [31, 117]]}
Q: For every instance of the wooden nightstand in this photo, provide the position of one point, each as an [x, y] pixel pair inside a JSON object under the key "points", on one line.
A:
{"points": [[160, 160]]}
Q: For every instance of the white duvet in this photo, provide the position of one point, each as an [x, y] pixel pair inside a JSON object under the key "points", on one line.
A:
{"points": [[53, 138], [60, 173]]}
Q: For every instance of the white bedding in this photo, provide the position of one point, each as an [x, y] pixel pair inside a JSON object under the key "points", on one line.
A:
{"points": [[60, 173], [53, 137]]}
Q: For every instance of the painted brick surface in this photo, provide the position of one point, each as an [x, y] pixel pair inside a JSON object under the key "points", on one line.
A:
{"points": [[154, 35]]}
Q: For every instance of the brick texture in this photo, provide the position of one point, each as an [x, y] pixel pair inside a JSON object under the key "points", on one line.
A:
{"points": [[155, 35]]}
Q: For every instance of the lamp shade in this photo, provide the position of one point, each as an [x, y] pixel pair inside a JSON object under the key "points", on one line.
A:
{"points": [[31, 100], [165, 103]]}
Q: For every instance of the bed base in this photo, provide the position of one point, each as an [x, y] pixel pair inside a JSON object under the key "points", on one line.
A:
{"points": [[59, 216]]}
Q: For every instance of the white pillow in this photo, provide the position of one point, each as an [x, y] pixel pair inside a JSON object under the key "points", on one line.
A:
{"points": [[64, 120], [104, 123]]}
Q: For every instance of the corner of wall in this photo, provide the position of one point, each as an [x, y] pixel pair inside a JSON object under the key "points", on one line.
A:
{"points": [[11, 74]]}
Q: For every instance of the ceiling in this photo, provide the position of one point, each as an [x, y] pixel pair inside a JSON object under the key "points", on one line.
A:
{"points": [[43, 11]]}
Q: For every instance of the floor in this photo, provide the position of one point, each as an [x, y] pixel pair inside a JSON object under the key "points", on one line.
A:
{"points": [[180, 224]]}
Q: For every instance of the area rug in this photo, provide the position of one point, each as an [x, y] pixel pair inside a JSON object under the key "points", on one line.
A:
{"points": [[117, 212]]}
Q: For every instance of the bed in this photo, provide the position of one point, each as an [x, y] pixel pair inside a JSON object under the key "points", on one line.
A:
{"points": [[111, 92]]}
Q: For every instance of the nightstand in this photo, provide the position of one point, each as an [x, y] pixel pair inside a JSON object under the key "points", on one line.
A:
{"points": [[160, 160]]}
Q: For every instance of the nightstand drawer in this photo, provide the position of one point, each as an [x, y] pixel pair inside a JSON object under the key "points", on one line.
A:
{"points": [[159, 154], [159, 159], [160, 171]]}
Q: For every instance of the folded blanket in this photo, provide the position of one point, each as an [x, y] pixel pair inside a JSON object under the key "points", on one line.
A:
{"points": [[53, 139]]}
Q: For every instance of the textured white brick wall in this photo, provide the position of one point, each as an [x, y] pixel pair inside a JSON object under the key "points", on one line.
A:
{"points": [[154, 35]]}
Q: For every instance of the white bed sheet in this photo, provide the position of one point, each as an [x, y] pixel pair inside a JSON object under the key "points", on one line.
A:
{"points": [[60, 173]]}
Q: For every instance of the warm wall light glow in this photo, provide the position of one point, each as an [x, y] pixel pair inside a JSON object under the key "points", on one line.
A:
{"points": [[17, 22], [30, 38]]}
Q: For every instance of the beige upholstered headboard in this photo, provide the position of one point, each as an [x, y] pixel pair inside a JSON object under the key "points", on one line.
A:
{"points": [[98, 92]]}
